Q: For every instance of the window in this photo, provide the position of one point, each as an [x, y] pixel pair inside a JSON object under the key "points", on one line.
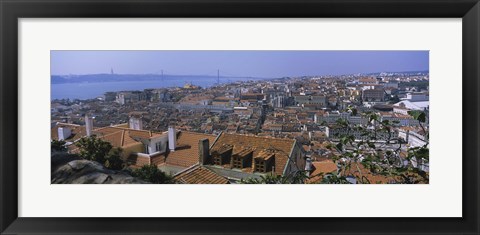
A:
{"points": [[237, 163], [260, 165], [158, 147], [217, 159]]}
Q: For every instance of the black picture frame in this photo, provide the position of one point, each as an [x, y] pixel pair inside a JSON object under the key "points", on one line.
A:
{"points": [[12, 10]]}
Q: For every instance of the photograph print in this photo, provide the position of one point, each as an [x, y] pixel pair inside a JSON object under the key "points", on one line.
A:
{"points": [[239, 117]]}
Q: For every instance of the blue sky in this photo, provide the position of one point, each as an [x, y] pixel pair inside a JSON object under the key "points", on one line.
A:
{"points": [[237, 63]]}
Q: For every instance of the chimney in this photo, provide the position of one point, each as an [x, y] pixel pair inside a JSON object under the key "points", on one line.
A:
{"points": [[203, 151], [308, 165], [135, 123], [63, 133], [88, 125], [172, 138]]}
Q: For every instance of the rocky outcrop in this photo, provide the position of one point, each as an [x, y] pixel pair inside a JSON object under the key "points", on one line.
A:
{"points": [[70, 169]]}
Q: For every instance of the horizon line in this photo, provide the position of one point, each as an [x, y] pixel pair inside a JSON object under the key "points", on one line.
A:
{"points": [[246, 76]]}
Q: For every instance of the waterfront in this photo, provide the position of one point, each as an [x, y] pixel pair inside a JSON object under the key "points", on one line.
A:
{"points": [[92, 90]]}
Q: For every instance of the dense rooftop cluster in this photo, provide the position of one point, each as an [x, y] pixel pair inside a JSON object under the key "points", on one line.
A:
{"points": [[230, 132]]}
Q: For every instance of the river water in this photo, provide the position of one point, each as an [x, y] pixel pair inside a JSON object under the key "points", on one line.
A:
{"points": [[93, 90]]}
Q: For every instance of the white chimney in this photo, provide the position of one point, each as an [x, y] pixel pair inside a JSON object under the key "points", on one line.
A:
{"points": [[64, 133], [172, 138], [136, 123], [88, 125]]}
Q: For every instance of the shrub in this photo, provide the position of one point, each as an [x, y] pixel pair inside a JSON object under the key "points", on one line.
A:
{"points": [[58, 145], [152, 174], [94, 149]]}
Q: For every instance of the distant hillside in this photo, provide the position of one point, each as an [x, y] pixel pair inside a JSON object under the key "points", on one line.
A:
{"points": [[423, 72], [60, 79]]}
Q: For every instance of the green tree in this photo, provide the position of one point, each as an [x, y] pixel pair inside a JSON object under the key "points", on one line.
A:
{"points": [[334, 179], [353, 111], [93, 149], [395, 99], [58, 145], [113, 160], [152, 174], [297, 177]]}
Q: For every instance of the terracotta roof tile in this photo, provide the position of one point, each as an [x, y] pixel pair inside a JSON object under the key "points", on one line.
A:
{"points": [[122, 137], [265, 155], [281, 147], [186, 153], [115, 138], [242, 152], [321, 168], [373, 178], [200, 175], [328, 166], [224, 148]]}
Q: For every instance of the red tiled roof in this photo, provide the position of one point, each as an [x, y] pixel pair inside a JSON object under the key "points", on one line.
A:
{"points": [[328, 166], [200, 175], [371, 177], [265, 155], [122, 137], [187, 152], [281, 147], [321, 168]]}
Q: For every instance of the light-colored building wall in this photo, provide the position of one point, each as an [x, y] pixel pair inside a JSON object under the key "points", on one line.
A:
{"points": [[152, 144]]}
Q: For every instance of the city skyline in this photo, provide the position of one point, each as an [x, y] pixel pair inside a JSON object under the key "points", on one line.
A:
{"points": [[306, 126], [266, 64]]}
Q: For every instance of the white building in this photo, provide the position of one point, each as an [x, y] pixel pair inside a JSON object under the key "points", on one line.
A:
{"points": [[409, 105]]}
